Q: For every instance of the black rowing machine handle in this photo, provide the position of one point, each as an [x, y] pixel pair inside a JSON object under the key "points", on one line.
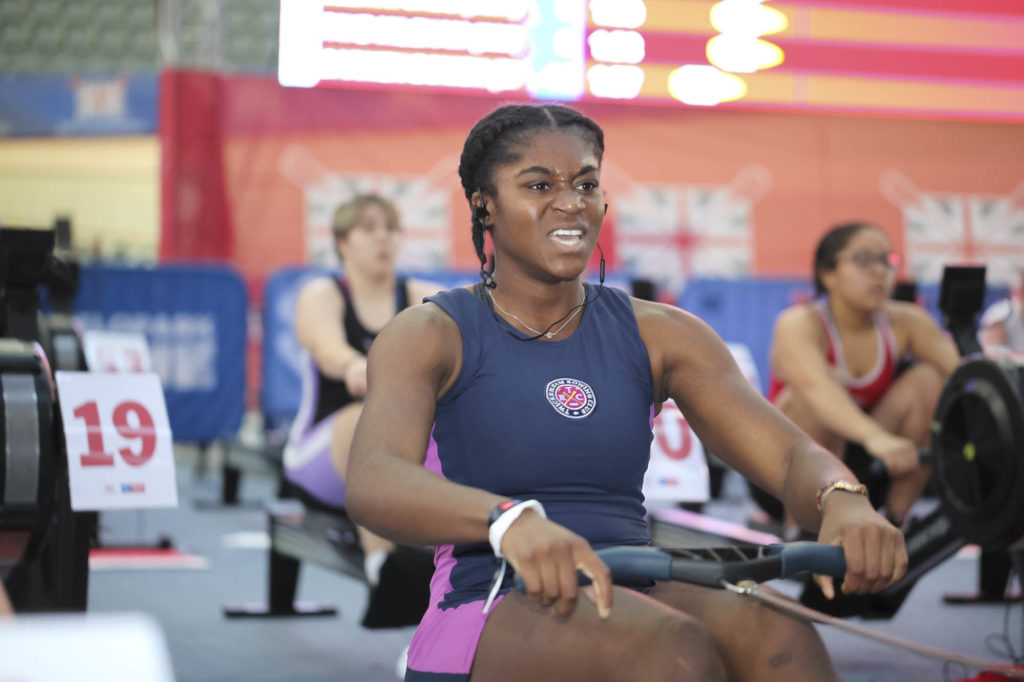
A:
{"points": [[815, 557], [639, 566], [630, 566]]}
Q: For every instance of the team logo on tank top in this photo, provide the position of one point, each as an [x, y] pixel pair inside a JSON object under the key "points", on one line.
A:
{"points": [[571, 398]]}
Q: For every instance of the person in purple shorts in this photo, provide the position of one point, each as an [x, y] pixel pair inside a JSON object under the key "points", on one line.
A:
{"points": [[336, 321], [510, 423]]}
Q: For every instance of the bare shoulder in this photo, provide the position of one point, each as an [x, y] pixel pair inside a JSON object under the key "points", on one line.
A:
{"points": [[320, 290], [318, 307], [799, 318], [656, 318], [426, 319], [798, 327], [903, 314], [420, 340], [677, 342]]}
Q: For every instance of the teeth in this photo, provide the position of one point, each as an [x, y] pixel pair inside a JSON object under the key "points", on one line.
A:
{"points": [[567, 233]]}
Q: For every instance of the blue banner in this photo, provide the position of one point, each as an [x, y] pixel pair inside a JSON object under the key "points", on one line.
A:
{"points": [[194, 317], [62, 104]]}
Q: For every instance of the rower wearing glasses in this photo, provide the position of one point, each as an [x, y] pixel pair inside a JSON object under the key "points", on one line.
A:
{"points": [[834, 361]]}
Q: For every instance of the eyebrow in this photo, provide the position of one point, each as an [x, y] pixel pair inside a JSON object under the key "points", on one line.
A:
{"points": [[589, 168]]}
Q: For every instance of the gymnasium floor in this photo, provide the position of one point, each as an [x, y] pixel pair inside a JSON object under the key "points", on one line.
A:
{"points": [[205, 647]]}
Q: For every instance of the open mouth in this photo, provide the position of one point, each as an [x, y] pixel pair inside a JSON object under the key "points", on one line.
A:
{"points": [[567, 237]]}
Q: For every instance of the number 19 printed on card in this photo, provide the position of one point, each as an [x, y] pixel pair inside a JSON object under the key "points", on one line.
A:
{"points": [[118, 439]]}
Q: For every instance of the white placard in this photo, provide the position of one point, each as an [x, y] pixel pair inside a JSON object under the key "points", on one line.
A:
{"points": [[678, 470], [84, 648], [119, 443], [116, 351]]}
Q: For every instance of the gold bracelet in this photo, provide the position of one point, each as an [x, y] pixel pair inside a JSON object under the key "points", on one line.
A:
{"points": [[845, 486]]}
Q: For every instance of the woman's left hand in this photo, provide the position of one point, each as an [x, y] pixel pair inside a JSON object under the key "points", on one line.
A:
{"points": [[876, 555]]}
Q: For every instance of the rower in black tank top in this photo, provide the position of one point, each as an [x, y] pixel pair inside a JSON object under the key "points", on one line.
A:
{"points": [[333, 394], [307, 456]]}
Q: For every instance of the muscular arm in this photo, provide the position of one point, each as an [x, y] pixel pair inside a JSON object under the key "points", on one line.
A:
{"points": [[691, 365], [413, 361], [318, 314], [926, 341], [799, 360]]}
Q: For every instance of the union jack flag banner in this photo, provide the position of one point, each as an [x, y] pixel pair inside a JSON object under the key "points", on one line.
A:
{"points": [[673, 233], [423, 203], [962, 229]]}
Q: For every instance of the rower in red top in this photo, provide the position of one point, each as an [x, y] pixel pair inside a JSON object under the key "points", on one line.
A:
{"points": [[866, 390], [835, 361]]}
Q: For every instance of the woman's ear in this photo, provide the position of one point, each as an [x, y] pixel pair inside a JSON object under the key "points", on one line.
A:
{"points": [[479, 208], [827, 276]]}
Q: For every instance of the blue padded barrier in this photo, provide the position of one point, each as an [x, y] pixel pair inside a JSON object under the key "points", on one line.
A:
{"points": [[744, 310], [194, 318]]}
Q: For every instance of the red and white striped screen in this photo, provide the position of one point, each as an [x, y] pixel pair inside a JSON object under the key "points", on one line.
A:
{"points": [[927, 58]]}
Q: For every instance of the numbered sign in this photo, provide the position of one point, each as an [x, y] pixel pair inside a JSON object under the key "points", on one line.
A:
{"points": [[678, 470], [118, 438], [116, 352]]}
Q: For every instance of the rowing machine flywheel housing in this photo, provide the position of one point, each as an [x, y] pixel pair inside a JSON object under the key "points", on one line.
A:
{"points": [[978, 451]]}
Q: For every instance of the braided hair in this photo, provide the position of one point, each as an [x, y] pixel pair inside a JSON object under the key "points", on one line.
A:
{"points": [[493, 142]]}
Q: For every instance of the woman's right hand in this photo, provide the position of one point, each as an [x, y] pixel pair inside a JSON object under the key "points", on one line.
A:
{"points": [[355, 377], [898, 454], [547, 557]]}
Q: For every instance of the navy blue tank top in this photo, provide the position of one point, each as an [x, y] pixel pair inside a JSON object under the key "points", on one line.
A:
{"points": [[565, 422]]}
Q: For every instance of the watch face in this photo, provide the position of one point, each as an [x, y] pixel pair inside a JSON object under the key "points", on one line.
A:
{"points": [[501, 509]]}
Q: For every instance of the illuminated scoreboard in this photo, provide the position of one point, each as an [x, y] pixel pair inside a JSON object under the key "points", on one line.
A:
{"points": [[559, 49], [493, 46], [963, 58]]}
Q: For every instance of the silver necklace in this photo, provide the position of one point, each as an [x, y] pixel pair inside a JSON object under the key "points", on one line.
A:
{"points": [[549, 335]]}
